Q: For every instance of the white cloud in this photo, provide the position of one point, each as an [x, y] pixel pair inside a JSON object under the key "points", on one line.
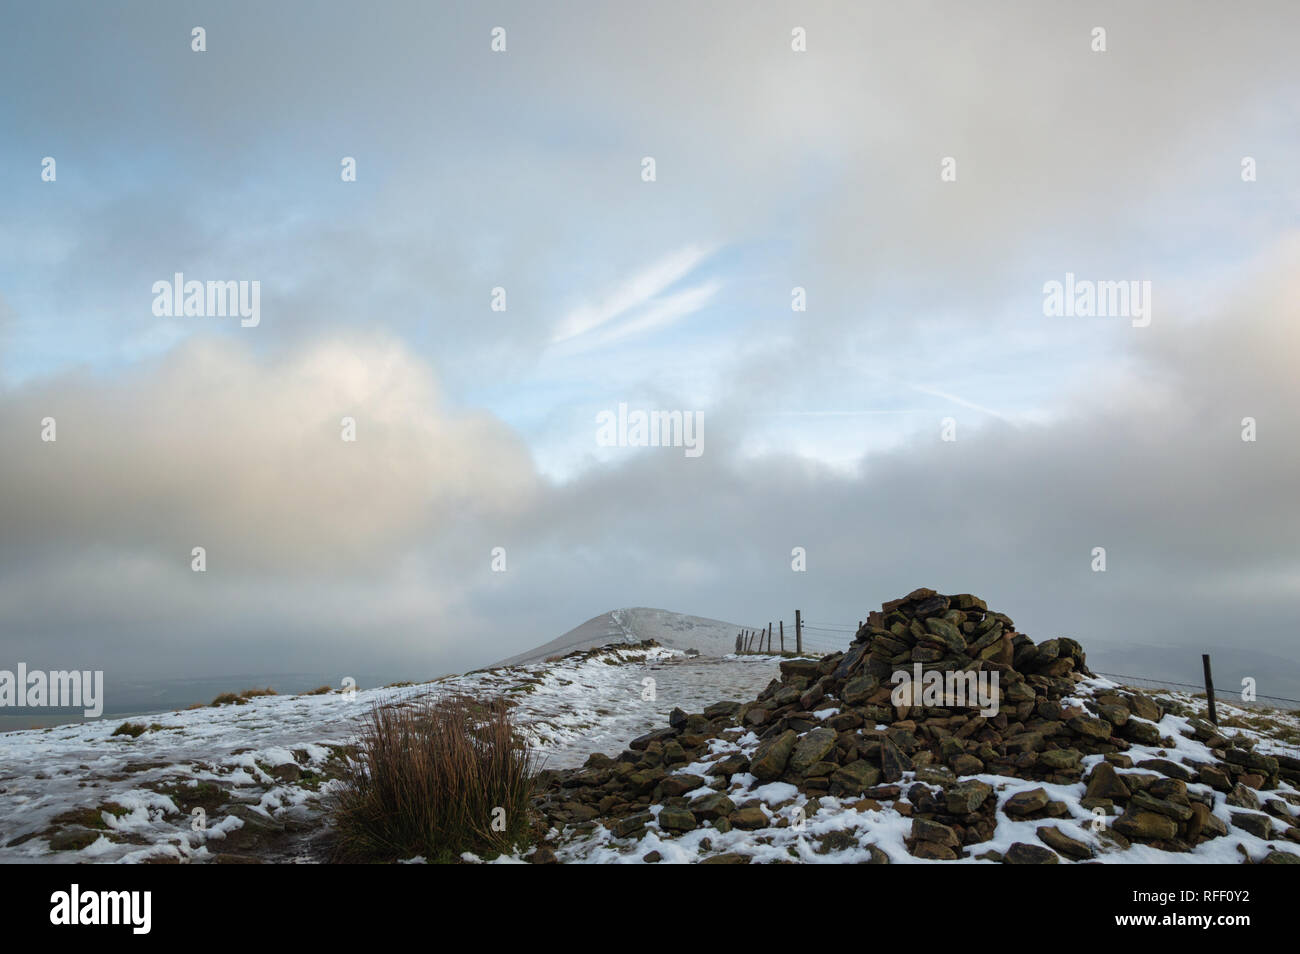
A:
{"points": [[214, 446], [639, 290]]}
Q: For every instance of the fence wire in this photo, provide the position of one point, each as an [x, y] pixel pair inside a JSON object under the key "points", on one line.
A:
{"points": [[824, 636]]}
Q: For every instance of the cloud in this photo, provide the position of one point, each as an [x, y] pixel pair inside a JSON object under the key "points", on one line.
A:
{"points": [[385, 554], [642, 289], [935, 392], [215, 446]]}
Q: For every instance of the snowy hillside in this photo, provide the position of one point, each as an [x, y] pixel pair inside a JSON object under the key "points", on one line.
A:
{"points": [[712, 637], [259, 772]]}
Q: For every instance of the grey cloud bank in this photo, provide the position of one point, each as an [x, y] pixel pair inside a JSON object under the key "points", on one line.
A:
{"points": [[385, 555]]}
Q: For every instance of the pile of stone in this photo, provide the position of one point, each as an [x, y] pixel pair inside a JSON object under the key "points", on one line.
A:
{"points": [[840, 726]]}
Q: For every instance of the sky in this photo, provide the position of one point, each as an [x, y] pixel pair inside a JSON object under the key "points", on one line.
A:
{"points": [[521, 172]]}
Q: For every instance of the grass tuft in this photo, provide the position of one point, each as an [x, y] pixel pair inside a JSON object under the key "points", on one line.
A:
{"points": [[239, 698], [435, 778]]}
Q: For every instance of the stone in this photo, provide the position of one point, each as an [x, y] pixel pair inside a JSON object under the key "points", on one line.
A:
{"points": [[674, 754], [1276, 857], [933, 851], [1197, 824], [857, 691], [811, 748], [676, 819], [675, 785], [966, 797], [1261, 826], [1144, 707], [1242, 797], [1167, 768], [1143, 733], [967, 765], [1060, 759], [942, 631], [893, 763], [721, 710], [729, 765], [924, 830], [632, 824], [808, 668], [856, 777], [772, 756], [1146, 802], [1026, 803], [709, 807], [1098, 730], [1021, 853], [749, 819], [1145, 826], [1214, 777], [1062, 843], [1115, 715]]}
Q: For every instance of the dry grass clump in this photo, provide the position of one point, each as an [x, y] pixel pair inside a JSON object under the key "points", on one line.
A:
{"points": [[435, 778]]}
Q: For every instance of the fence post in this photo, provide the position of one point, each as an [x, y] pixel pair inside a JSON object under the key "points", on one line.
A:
{"points": [[798, 633], [782, 637], [1209, 688]]}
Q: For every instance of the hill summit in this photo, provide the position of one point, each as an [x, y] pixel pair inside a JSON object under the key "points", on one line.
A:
{"points": [[941, 713]]}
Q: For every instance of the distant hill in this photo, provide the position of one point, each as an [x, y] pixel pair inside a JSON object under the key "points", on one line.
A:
{"points": [[712, 637]]}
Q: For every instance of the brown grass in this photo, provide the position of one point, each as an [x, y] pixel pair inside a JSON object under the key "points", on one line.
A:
{"points": [[240, 698], [435, 778]]}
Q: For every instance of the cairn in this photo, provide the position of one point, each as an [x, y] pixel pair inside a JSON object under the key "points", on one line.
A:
{"points": [[933, 691]]}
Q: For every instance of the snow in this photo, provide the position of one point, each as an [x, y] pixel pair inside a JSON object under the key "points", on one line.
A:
{"points": [[785, 839], [711, 637], [567, 710]]}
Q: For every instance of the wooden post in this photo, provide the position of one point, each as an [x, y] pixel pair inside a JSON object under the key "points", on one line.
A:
{"points": [[1209, 688], [769, 636], [782, 637], [798, 633]]}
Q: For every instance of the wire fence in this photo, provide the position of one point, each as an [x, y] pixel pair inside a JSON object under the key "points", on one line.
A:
{"points": [[820, 636]]}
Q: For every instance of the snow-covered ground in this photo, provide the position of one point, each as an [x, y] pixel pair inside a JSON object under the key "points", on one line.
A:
{"points": [[568, 709], [842, 830], [272, 754]]}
